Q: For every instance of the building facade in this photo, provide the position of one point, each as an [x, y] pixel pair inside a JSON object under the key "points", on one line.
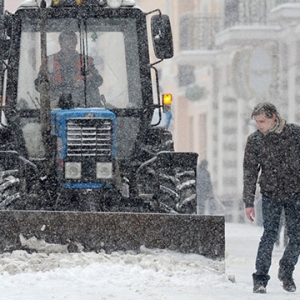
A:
{"points": [[229, 56]]}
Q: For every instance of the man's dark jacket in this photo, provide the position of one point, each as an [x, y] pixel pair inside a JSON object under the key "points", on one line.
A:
{"points": [[276, 156]]}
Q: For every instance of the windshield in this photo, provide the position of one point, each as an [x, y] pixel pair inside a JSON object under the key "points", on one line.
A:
{"points": [[100, 67]]}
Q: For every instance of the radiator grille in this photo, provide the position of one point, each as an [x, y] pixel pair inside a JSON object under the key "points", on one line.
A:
{"points": [[89, 137]]}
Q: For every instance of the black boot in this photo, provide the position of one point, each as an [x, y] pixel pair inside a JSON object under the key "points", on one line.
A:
{"points": [[287, 280], [260, 283]]}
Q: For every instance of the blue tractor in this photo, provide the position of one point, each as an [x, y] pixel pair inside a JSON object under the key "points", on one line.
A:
{"points": [[82, 137], [83, 122]]}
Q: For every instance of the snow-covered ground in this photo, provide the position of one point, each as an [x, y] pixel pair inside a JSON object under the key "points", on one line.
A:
{"points": [[152, 274]]}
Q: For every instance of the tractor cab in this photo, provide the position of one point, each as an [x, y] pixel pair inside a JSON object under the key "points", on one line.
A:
{"points": [[104, 65]]}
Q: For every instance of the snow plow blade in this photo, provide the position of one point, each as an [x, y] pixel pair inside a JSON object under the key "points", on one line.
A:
{"points": [[78, 231]]}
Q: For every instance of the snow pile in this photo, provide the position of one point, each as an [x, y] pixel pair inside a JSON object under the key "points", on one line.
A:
{"points": [[118, 275], [165, 262]]}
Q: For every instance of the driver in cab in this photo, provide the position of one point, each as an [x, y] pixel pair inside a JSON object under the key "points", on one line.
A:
{"points": [[73, 77]]}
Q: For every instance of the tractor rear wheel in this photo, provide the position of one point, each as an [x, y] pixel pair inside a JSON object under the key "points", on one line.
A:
{"points": [[178, 191]]}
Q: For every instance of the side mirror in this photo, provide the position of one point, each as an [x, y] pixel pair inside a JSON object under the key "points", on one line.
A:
{"points": [[162, 36]]}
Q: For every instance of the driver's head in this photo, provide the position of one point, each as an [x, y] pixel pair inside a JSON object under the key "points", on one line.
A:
{"points": [[68, 39]]}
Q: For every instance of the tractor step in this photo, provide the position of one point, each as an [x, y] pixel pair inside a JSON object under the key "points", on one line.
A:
{"points": [[98, 231]]}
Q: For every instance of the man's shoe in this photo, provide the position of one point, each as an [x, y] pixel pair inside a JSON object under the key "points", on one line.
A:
{"points": [[259, 288], [289, 285]]}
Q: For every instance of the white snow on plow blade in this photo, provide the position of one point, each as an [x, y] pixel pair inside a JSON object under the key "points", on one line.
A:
{"points": [[41, 246]]}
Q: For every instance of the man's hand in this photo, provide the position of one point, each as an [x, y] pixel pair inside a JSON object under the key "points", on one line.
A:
{"points": [[250, 213]]}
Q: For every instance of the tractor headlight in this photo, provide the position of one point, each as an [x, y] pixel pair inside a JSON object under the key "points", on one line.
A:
{"points": [[104, 170], [72, 170], [114, 3]]}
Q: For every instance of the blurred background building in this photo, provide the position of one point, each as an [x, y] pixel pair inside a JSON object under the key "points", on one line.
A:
{"points": [[229, 56]]}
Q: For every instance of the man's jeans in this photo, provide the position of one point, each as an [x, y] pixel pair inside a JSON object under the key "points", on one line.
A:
{"points": [[271, 211]]}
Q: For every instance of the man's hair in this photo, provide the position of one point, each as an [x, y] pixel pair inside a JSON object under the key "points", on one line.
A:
{"points": [[266, 108], [68, 34]]}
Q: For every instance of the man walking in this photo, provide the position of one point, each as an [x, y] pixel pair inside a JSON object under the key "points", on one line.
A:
{"points": [[273, 151]]}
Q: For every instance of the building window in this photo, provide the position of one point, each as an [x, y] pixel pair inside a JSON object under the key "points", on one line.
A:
{"points": [[186, 75], [197, 31], [231, 12]]}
